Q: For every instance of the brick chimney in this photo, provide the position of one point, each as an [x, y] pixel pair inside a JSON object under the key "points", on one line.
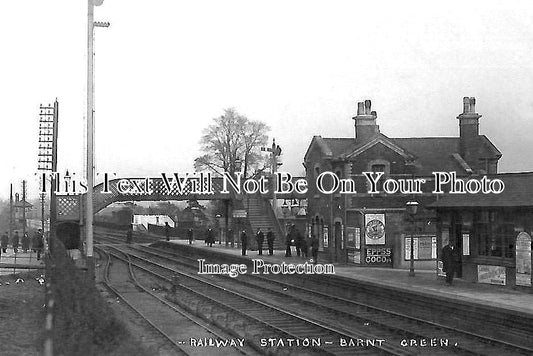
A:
{"points": [[468, 126], [365, 121]]}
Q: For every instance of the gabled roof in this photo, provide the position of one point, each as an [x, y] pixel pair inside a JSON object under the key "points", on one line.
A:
{"points": [[518, 192], [429, 154], [434, 154], [483, 148], [324, 145], [380, 139]]}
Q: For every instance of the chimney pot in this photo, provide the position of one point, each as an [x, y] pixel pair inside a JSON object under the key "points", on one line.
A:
{"points": [[472, 105], [466, 105], [360, 108], [374, 113], [368, 104]]}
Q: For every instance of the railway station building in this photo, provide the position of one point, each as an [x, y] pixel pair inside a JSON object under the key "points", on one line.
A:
{"points": [[370, 226], [493, 232]]}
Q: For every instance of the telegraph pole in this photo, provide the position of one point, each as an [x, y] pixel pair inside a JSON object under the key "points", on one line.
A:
{"points": [[10, 211], [90, 140], [23, 208], [90, 132]]}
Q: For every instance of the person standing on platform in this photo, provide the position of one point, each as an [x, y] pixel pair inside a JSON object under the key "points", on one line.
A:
{"points": [[210, 237], [244, 242], [3, 242], [288, 242], [15, 242], [129, 235], [25, 242], [297, 237], [259, 237], [450, 260], [167, 231], [314, 248], [38, 243], [304, 248], [190, 237], [270, 241]]}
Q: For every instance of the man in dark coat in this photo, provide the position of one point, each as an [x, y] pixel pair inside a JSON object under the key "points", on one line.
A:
{"points": [[25, 242], [450, 260], [314, 248], [288, 243], [15, 242], [190, 237], [38, 243], [167, 231], [259, 237], [210, 237], [304, 247], [297, 237], [3, 242], [244, 242], [270, 241]]}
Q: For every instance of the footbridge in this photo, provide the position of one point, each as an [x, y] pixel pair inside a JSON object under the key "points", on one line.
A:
{"points": [[201, 187]]}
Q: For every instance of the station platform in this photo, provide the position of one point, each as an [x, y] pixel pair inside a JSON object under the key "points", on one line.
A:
{"points": [[424, 281], [11, 263]]}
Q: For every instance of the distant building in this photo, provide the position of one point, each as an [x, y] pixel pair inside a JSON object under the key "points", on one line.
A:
{"points": [[141, 221], [373, 228]]}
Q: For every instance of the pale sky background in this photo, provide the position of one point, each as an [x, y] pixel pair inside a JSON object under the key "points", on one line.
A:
{"points": [[165, 68]]}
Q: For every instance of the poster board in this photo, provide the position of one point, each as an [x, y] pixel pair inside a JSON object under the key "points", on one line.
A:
{"points": [[375, 229], [491, 274], [425, 248], [466, 244], [523, 259]]}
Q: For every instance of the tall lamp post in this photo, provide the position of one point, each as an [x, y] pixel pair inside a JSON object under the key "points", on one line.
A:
{"points": [[411, 207]]}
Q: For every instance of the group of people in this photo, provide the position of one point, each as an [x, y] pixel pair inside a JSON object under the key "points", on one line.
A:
{"points": [[23, 242], [294, 237], [260, 239], [209, 237]]}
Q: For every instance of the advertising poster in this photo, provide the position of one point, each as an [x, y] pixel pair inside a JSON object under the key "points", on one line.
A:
{"points": [[491, 274], [523, 259], [342, 237], [357, 238], [440, 271], [425, 247], [350, 237], [374, 229], [325, 235], [466, 244], [378, 256]]}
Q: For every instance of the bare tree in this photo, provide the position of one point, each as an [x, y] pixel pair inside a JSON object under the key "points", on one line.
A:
{"points": [[231, 138]]}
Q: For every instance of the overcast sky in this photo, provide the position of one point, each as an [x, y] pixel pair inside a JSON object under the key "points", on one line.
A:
{"points": [[165, 68]]}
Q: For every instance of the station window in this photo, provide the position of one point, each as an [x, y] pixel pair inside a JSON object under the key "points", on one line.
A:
{"points": [[494, 233]]}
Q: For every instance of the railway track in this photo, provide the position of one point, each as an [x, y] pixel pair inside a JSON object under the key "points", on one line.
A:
{"points": [[270, 328], [181, 331], [348, 313]]}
